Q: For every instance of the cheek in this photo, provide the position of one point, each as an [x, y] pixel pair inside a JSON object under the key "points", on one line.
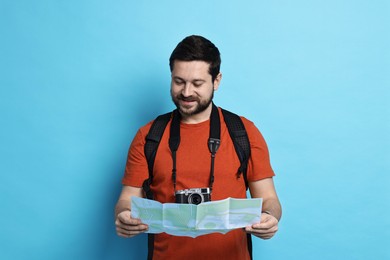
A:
{"points": [[206, 92], [173, 90], [176, 89]]}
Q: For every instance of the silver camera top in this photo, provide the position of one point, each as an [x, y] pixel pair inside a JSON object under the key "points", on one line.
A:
{"points": [[194, 190]]}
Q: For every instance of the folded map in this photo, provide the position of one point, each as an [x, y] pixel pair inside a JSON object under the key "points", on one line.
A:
{"points": [[195, 220]]}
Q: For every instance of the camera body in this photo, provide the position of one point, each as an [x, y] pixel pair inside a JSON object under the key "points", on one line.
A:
{"points": [[193, 196]]}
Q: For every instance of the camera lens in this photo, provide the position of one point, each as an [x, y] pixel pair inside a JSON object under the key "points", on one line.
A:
{"points": [[195, 198]]}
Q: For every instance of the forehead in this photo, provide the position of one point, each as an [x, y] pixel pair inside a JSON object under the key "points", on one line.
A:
{"points": [[190, 70]]}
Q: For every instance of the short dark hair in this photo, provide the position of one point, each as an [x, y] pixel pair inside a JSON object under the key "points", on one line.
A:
{"points": [[196, 47]]}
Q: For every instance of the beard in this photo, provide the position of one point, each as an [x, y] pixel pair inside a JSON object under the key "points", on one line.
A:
{"points": [[201, 106]]}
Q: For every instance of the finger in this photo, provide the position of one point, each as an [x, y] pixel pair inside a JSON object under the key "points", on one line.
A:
{"points": [[125, 235], [141, 227], [266, 236], [255, 230], [129, 233], [265, 225], [266, 218], [131, 221], [266, 222], [131, 227], [128, 220], [261, 234], [119, 223]]}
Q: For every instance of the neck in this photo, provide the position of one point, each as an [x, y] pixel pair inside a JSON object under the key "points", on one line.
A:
{"points": [[198, 118]]}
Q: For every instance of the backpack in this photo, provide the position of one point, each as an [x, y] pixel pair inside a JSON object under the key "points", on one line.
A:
{"points": [[237, 133]]}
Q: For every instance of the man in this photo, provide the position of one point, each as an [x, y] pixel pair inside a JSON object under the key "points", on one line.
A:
{"points": [[195, 64]]}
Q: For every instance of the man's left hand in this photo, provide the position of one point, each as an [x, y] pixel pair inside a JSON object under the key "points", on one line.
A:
{"points": [[266, 229]]}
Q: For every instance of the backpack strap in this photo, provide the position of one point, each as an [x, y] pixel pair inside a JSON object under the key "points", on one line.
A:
{"points": [[241, 143], [153, 139], [240, 140]]}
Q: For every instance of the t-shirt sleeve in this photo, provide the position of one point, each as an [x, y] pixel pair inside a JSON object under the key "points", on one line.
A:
{"points": [[136, 170], [259, 166]]}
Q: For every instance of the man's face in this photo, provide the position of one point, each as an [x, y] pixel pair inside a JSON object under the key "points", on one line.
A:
{"points": [[192, 88]]}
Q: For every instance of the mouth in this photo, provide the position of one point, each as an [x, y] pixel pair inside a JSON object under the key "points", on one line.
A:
{"points": [[187, 101]]}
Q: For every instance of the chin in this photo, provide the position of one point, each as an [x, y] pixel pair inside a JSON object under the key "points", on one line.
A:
{"points": [[187, 112]]}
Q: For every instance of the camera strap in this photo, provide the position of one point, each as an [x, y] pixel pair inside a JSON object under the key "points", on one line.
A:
{"points": [[213, 142]]}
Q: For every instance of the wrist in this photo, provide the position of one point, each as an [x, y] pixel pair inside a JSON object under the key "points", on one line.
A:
{"points": [[271, 214], [267, 212], [122, 205]]}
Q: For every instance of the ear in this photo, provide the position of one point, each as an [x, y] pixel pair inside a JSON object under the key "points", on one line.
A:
{"points": [[217, 80]]}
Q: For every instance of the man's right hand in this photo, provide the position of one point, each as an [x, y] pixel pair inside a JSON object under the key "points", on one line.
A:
{"points": [[126, 226]]}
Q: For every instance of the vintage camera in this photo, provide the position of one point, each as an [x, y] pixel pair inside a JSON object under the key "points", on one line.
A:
{"points": [[193, 196]]}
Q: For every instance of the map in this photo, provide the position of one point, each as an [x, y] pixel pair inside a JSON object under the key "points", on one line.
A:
{"points": [[196, 220]]}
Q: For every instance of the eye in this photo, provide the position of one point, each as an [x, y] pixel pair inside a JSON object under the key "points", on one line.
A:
{"points": [[198, 83], [179, 82]]}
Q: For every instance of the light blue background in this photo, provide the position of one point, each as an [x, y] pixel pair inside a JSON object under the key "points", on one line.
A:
{"points": [[78, 78]]}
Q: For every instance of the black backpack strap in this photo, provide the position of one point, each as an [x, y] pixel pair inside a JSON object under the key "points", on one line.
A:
{"points": [[240, 140], [153, 139], [249, 244], [241, 143]]}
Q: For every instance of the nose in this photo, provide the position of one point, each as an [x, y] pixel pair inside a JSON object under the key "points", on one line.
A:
{"points": [[187, 90]]}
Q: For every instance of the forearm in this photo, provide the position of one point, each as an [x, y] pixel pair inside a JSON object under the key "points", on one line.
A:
{"points": [[124, 201], [265, 189]]}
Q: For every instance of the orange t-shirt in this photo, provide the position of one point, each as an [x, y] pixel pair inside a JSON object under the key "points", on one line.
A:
{"points": [[193, 171]]}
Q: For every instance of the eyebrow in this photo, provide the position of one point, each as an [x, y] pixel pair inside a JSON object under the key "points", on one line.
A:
{"points": [[176, 77], [194, 80]]}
